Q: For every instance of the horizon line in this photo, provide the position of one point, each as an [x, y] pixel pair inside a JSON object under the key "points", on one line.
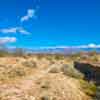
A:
{"points": [[92, 45]]}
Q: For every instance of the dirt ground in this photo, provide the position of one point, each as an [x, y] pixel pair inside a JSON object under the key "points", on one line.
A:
{"points": [[29, 79]]}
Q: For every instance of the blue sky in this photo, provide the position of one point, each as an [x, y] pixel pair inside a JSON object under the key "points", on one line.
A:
{"points": [[37, 23]]}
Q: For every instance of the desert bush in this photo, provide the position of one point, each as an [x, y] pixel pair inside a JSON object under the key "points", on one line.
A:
{"points": [[52, 62], [75, 56], [39, 56], [45, 85], [11, 73], [30, 64], [46, 97], [97, 96], [54, 70], [48, 57], [71, 71], [3, 53], [88, 87], [17, 72], [58, 57], [93, 53], [95, 58]]}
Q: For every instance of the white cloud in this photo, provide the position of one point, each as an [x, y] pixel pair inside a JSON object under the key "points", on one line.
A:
{"points": [[23, 31], [14, 30], [9, 30], [30, 14], [91, 45], [4, 40]]}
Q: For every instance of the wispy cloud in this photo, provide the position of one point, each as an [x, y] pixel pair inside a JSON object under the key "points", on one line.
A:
{"points": [[14, 30], [4, 40], [23, 31], [9, 30], [91, 45], [30, 14]]}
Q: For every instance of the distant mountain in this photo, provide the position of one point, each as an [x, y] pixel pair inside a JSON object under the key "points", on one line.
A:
{"points": [[57, 50], [64, 50]]}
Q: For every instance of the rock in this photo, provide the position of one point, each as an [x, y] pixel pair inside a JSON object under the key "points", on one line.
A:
{"points": [[90, 70]]}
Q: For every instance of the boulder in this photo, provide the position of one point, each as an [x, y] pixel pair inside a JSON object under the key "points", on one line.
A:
{"points": [[90, 70]]}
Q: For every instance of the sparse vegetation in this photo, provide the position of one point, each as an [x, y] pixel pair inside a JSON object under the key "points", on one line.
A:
{"points": [[88, 87], [30, 64], [97, 97], [4, 53], [51, 74], [11, 73], [18, 72], [45, 85], [71, 71], [58, 57], [54, 69]]}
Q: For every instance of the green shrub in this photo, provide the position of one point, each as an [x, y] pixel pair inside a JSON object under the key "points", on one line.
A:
{"points": [[88, 87], [97, 96]]}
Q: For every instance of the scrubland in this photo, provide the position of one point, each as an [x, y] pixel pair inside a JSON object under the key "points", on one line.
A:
{"points": [[44, 77]]}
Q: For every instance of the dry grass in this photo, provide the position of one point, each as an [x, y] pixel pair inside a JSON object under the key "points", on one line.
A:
{"points": [[37, 78]]}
